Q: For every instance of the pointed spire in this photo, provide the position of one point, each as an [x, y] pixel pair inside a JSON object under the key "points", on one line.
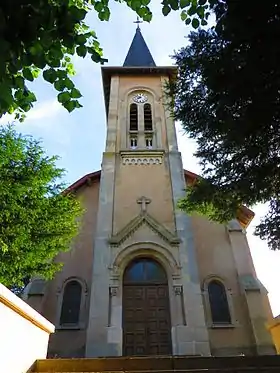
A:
{"points": [[139, 54]]}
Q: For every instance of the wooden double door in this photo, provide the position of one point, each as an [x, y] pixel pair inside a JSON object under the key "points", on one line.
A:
{"points": [[146, 311]]}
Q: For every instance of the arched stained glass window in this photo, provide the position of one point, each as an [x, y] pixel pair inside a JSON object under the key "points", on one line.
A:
{"points": [[218, 303], [70, 310], [148, 122], [144, 270], [133, 118]]}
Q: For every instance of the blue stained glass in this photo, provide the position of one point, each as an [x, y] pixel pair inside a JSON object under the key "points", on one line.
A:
{"points": [[136, 272], [154, 271], [144, 270]]}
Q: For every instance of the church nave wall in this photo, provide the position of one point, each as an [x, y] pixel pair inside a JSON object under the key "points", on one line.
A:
{"points": [[69, 339]]}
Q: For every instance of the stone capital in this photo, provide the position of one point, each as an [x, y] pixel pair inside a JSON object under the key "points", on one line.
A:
{"points": [[178, 289], [113, 290]]}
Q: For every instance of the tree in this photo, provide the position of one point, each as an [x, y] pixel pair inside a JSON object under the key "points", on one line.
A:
{"points": [[37, 219], [42, 35], [227, 97]]}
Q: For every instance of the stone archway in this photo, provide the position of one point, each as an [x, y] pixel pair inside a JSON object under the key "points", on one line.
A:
{"points": [[146, 311]]}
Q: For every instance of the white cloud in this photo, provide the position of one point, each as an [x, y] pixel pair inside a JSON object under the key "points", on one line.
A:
{"points": [[44, 110]]}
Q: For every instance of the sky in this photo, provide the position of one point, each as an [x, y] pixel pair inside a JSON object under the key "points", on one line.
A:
{"points": [[79, 138]]}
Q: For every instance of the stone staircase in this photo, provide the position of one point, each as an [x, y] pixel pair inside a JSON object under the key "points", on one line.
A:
{"points": [[161, 364]]}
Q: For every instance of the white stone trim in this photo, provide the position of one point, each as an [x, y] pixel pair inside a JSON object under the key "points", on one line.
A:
{"points": [[173, 272], [16, 304], [145, 157], [127, 96], [122, 257], [139, 161]]}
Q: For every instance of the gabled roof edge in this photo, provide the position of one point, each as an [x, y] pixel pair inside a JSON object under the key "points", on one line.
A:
{"points": [[244, 214]]}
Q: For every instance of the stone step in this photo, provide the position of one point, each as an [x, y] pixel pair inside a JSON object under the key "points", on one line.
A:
{"points": [[222, 370], [161, 364]]}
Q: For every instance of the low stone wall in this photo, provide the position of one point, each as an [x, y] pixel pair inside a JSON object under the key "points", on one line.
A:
{"points": [[24, 333], [274, 328]]}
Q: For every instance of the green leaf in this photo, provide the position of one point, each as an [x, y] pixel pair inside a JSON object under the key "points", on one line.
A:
{"points": [[104, 15], [98, 6], [174, 4], [50, 75], [136, 5], [202, 2], [70, 69], [6, 93], [61, 74], [200, 12], [77, 13], [27, 73], [36, 48], [195, 23], [142, 11], [53, 62], [166, 10], [188, 21], [75, 93], [147, 17], [184, 3], [68, 83], [95, 56], [26, 107], [184, 15], [71, 105], [81, 50], [204, 22], [192, 10], [35, 73], [39, 61], [19, 81], [81, 39], [63, 97], [59, 85]]}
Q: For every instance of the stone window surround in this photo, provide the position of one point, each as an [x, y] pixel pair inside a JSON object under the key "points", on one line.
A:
{"points": [[140, 110], [207, 308], [82, 314]]}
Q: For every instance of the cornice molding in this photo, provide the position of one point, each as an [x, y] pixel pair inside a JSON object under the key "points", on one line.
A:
{"points": [[142, 157]]}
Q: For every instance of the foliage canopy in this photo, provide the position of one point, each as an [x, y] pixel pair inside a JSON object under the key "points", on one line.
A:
{"points": [[43, 35], [228, 99], [37, 219]]}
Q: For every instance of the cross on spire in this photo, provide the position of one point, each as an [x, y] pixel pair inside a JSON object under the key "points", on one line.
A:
{"points": [[138, 22], [143, 201]]}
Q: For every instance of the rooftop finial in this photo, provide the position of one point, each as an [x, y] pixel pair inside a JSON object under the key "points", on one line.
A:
{"points": [[138, 22]]}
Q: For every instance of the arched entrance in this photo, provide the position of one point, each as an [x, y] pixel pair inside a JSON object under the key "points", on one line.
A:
{"points": [[146, 311]]}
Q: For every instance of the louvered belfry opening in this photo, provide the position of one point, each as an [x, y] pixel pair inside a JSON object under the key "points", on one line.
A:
{"points": [[148, 123], [133, 118]]}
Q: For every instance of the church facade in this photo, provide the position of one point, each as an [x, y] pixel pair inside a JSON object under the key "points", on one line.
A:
{"points": [[142, 277]]}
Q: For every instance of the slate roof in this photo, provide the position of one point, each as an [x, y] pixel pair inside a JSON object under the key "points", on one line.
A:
{"points": [[138, 53]]}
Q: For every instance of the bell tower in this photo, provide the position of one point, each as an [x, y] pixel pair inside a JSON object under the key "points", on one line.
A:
{"points": [[145, 294]]}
